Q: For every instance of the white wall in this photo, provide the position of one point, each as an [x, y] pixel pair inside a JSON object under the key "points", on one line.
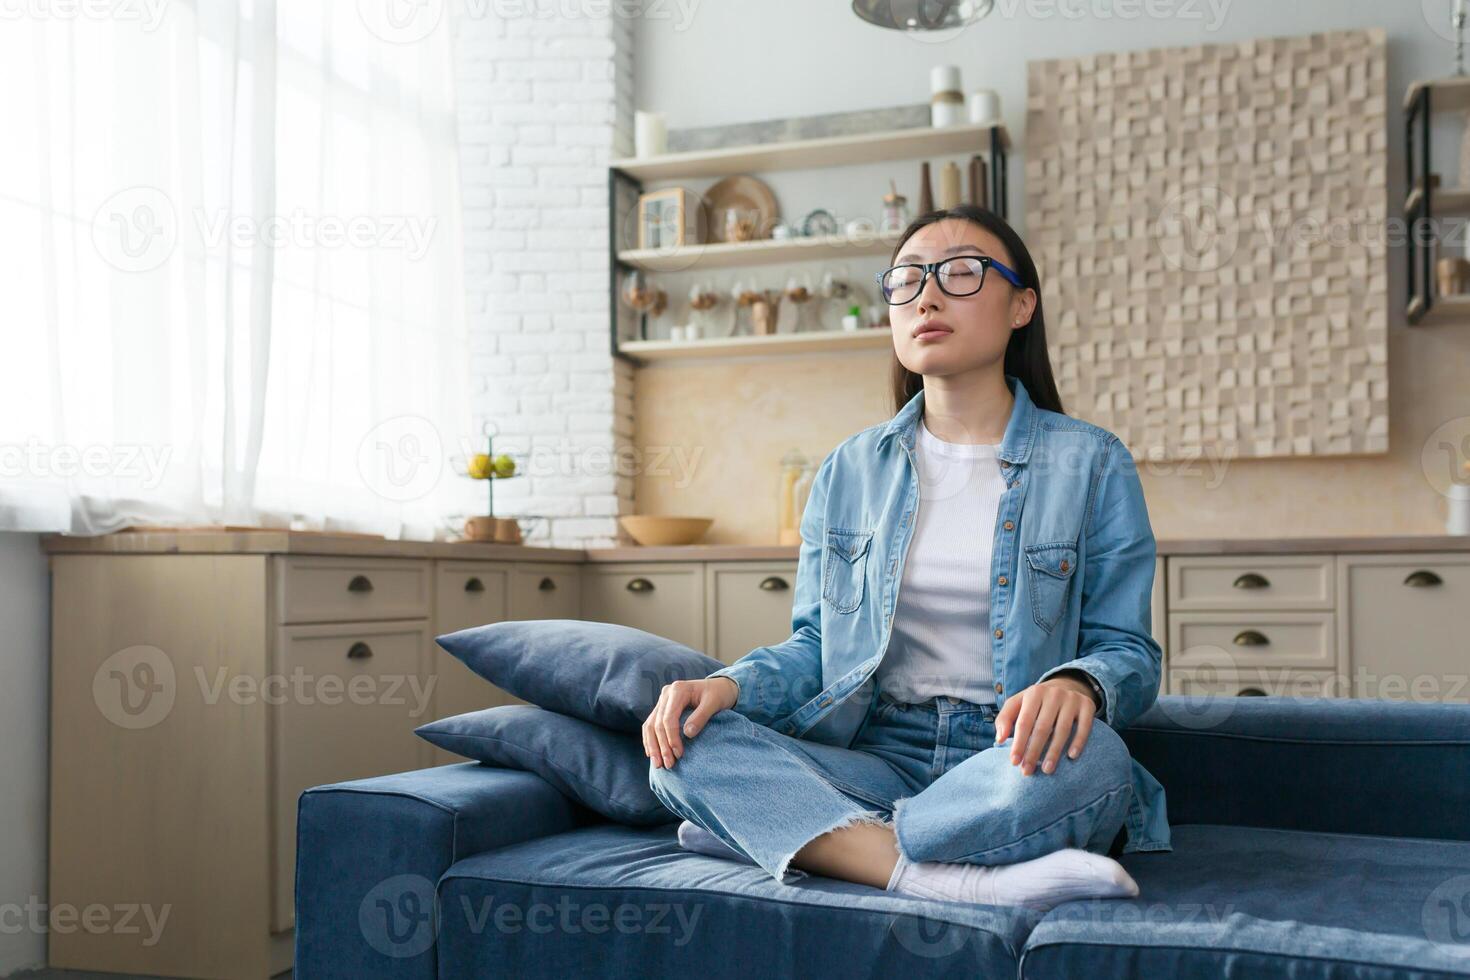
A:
{"points": [[543, 103], [760, 59], [25, 605]]}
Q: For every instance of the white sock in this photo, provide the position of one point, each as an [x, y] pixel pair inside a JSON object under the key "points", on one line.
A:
{"points": [[693, 837], [1062, 876]]}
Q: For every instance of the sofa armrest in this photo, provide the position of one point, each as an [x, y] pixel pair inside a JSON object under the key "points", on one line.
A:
{"points": [[370, 852], [1395, 769]]}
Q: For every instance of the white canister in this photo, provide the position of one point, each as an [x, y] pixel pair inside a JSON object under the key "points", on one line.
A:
{"points": [[946, 99], [1458, 521], [985, 107], [650, 134]]}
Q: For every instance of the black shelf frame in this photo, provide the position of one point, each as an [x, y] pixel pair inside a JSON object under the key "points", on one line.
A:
{"points": [[1420, 216], [999, 196]]}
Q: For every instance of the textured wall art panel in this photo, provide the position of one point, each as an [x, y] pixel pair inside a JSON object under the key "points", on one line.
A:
{"points": [[1209, 223]]}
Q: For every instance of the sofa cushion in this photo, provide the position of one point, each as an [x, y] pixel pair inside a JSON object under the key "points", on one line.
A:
{"points": [[627, 901], [1252, 902], [604, 770], [604, 673]]}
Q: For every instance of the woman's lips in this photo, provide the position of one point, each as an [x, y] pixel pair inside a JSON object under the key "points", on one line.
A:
{"points": [[931, 331]]}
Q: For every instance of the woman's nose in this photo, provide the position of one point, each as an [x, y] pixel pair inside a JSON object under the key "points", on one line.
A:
{"points": [[931, 297]]}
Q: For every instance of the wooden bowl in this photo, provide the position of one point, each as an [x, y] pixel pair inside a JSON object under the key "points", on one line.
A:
{"points": [[650, 530]]}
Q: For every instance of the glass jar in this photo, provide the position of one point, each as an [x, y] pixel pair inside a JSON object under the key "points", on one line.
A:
{"points": [[797, 473]]}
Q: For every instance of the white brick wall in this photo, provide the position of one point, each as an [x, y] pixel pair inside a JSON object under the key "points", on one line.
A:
{"points": [[544, 102]]}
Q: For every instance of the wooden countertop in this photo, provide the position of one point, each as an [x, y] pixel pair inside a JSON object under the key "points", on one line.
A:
{"points": [[312, 543]]}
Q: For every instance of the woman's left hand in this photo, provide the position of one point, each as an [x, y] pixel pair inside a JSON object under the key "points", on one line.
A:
{"points": [[1046, 713]]}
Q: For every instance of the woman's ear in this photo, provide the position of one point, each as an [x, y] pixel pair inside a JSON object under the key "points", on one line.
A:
{"points": [[1023, 305]]}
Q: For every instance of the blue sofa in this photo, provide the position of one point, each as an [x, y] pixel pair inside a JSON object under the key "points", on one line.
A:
{"points": [[1312, 838]]}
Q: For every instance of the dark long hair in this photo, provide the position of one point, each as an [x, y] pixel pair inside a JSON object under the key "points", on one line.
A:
{"points": [[1026, 356]]}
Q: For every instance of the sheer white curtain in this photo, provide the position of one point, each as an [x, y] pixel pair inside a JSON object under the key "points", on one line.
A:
{"points": [[230, 271]]}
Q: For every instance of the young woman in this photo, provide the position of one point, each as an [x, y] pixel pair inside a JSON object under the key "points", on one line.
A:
{"points": [[972, 599]]}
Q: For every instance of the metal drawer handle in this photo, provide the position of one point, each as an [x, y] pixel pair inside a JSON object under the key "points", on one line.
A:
{"points": [[1250, 692], [640, 585], [547, 585], [359, 651], [360, 583], [1423, 579], [1251, 638], [774, 583], [1250, 580], [474, 585]]}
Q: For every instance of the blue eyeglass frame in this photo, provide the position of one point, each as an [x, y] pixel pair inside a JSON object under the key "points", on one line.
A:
{"points": [[932, 268]]}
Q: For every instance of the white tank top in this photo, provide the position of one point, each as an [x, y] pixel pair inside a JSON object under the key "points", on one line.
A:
{"points": [[941, 626]]}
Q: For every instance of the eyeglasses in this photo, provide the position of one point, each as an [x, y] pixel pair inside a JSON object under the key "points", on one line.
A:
{"points": [[961, 275]]}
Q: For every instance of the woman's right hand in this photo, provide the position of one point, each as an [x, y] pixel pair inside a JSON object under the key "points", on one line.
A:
{"points": [[661, 739]]}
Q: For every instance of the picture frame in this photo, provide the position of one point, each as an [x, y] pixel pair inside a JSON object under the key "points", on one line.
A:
{"points": [[670, 218]]}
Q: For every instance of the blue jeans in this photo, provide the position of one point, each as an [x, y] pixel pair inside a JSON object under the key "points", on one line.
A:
{"points": [[931, 769]]}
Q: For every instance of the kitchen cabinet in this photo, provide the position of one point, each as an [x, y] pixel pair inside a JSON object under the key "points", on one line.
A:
{"points": [[664, 598], [1404, 621], [748, 605]]}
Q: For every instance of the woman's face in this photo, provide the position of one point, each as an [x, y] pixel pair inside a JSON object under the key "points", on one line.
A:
{"points": [[940, 334]]}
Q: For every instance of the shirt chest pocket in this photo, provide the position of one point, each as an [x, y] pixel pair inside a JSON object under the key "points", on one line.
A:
{"points": [[845, 567], [1052, 568]]}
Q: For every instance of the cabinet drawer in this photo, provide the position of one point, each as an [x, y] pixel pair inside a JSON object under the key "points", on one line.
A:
{"points": [[747, 606], [342, 590], [1251, 582], [348, 700], [1403, 619], [1248, 683], [466, 595], [1224, 641], [661, 598], [545, 591]]}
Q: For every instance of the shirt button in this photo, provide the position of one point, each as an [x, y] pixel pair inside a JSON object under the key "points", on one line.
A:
{"points": [[997, 687], [999, 633], [1001, 581], [1005, 464], [1064, 564], [1009, 525]]}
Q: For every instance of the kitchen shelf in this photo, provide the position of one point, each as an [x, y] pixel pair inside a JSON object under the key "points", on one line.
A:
{"points": [[1446, 309], [919, 142], [866, 338], [769, 251], [829, 151], [1424, 201], [1449, 93], [1446, 200]]}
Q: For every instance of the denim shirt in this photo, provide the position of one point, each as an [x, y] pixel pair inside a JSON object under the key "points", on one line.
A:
{"points": [[1071, 583]]}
